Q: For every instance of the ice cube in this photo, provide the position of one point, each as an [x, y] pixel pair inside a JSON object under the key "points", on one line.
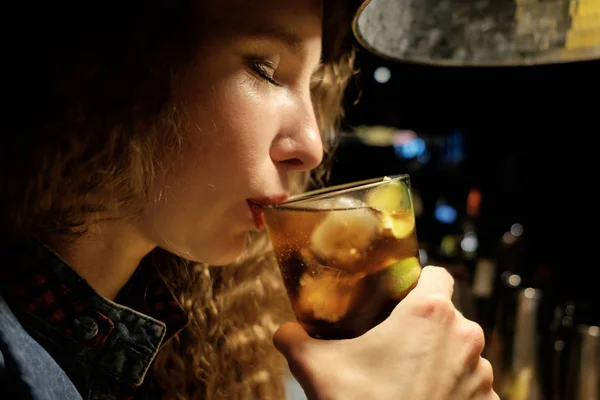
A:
{"points": [[327, 296], [337, 203], [344, 235]]}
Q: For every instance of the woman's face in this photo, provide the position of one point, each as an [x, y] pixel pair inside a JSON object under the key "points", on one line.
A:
{"points": [[252, 125]]}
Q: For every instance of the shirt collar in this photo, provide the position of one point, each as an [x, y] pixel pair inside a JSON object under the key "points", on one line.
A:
{"points": [[120, 338]]}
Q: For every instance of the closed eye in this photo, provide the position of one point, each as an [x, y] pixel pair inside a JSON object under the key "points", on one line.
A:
{"points": [[263, 69]]}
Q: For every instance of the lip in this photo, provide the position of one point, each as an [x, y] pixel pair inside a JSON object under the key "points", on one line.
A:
{"points": [[267, 201], [256, 205]]}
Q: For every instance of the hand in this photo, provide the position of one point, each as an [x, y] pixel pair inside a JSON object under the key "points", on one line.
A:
{"points": [[425, 350]]}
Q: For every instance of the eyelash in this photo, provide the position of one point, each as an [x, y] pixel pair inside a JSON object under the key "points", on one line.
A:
{"points": [[261, 68]]}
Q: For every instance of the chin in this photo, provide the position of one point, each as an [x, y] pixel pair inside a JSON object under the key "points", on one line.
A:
{"points": [[215, 253]]}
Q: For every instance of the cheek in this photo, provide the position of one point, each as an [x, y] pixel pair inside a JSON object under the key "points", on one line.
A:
{"points": [[237, 123]]}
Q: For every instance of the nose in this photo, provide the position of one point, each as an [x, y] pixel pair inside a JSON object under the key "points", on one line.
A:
{"points": [[298, 146]]}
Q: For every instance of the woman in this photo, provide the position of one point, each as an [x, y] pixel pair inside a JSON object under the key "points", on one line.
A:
{"points": [[136, 134]]}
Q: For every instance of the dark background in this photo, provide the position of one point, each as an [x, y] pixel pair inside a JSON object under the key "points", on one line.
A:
{"points": [[529, 140]]}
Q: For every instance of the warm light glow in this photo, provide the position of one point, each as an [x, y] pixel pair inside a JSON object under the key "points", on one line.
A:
{"points": [[514, 280], [473, 202]]}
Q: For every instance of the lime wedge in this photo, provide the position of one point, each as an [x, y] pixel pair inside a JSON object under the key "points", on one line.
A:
{"points": [[389, 197], [402, 275]]}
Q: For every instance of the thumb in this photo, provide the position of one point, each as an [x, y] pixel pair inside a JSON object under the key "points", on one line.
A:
{"points": [[289, 337]]}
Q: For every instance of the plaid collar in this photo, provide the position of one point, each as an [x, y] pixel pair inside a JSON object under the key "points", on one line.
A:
{"points": [[119, 339]]}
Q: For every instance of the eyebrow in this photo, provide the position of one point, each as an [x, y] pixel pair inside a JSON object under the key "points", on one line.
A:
{"points": [[282, 34], [289, 37]]}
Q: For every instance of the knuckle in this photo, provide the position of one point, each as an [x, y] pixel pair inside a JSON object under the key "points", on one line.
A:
{"points": [[436, 306], [472, 335], [487, 373]]}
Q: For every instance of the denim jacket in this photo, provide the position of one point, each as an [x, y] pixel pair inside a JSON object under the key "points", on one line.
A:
{"points": [[61, 340], [26, 370]]}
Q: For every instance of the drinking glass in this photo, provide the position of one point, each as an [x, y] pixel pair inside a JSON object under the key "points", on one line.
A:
{"points": [[348, 254]]}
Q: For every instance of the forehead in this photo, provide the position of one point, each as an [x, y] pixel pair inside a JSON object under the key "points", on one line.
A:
{"points": [[249, 16]]}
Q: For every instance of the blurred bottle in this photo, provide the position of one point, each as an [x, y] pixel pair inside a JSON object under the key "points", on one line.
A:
{"points": [[500, 338], [575, 354], [483, 293], [498, 274], [522, 380], [458, 247], [562, 332], [496, 277], [583, 382], [451, 254]]}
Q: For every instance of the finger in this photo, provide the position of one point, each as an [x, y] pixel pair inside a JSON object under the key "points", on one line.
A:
{"points": [[482, 380], [434, 280], [289, 338]]}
